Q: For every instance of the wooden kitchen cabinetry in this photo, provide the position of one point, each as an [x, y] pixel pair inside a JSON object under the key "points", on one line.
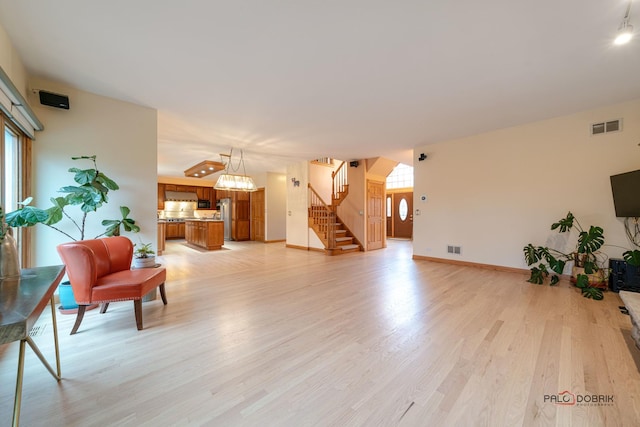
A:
{"points": [[203, 193], [175, 230], [161, 190], [205, 234]]}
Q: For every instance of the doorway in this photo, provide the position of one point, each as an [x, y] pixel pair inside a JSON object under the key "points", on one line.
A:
{"points": [[400, 215], [375, 212]]}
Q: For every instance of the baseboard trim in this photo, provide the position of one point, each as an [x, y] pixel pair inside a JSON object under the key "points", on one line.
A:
{"points": [[472, 264], [304, 248], [275, 241]]}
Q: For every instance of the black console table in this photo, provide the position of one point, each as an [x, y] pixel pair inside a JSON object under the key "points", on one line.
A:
{"points": [[21, 303]]}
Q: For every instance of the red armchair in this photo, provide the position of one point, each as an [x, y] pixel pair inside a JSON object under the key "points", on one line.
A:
{"points": [[100, 272]]}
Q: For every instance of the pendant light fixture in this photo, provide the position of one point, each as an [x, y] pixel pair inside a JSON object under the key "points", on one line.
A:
{"points": [[625, 31], [234, 182]]}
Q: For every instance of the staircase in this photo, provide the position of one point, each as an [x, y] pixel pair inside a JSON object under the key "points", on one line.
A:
{"points": [[336, 237]]}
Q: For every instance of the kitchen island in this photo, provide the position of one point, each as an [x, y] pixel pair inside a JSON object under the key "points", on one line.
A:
{"points": [[205, 233]]}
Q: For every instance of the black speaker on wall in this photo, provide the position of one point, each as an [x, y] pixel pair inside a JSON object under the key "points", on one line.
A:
{"points": [[54, 99]]}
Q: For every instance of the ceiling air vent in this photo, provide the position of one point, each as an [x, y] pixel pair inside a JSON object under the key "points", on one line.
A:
{"points": [[606, 127]]}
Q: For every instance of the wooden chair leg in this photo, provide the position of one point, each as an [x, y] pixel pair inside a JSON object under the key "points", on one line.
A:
{"points": [[137, 307], [81, 310], [162, 294], [103, 307]]}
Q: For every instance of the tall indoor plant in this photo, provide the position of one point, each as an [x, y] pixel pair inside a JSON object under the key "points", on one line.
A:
{"points": [[88, 194]]}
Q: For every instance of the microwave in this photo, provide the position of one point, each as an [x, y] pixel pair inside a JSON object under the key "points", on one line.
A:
{"points": [[204, 204]]}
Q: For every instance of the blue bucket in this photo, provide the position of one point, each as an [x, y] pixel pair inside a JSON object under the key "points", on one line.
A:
{"points": [[67, 300]]}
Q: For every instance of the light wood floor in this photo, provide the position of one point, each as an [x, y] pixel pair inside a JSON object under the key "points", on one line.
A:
{"points": [[261, 335]]}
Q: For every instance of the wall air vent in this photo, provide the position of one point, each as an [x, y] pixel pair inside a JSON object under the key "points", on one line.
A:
{"points": [[606, 127], [456, 250]]}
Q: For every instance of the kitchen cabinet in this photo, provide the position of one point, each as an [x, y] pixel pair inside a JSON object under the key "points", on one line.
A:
{"points": [[206, 195], [205, 234], [203, 193], [200, 193], [175, 230], [161, 190], [223, 194]]}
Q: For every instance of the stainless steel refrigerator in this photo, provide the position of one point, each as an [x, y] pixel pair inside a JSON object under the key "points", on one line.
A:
{"points": [[225, 215]]}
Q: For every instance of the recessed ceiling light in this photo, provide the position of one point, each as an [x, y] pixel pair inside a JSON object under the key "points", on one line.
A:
{"points": [[204, 168], [625, 30], [625, 35]]}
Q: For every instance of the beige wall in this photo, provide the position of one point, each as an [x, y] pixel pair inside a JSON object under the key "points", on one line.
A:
{"points": [[493, 193], [122, 135], [321, 181], [297, 216]]}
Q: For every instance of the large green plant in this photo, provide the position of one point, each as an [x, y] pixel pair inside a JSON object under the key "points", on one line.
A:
{"points": [[89, 193], [584, 255]]}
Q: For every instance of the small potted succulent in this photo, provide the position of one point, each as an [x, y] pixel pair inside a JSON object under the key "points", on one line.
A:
{"points": [[144, 256]]}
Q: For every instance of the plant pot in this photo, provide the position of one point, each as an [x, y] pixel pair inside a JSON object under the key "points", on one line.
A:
{"points": [[9, 261], [67, 300], [148, 262], [597, 280], [151, 296]]}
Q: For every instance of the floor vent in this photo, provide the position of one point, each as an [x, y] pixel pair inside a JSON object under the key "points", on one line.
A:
{"points": [[456, 250], [606, 127], [37, 331]]}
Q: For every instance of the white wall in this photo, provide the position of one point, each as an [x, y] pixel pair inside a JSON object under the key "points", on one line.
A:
{"points": [[297, 215], [276, 206], [493, 193], [124, 138]]}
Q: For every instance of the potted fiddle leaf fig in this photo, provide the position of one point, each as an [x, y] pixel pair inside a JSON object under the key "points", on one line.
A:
{"points": [[588, 272], [88, 193]]}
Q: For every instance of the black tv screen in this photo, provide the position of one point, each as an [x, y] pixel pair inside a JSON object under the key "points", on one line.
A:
{"points": [[626, 194]]}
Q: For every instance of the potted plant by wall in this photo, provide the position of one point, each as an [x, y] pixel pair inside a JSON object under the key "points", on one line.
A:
{"points": [[632, 256], [88, 194], [144, 256], [9, 262], [588, 274]]}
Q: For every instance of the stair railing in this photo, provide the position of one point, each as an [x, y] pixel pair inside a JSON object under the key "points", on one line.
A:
{"points": [[322, 218], [340, 186]]}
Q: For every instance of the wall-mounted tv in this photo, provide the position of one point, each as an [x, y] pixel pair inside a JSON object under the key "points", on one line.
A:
{"points": [[626, 194]]}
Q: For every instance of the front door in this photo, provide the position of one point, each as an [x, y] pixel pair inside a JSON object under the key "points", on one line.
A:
{"points": [[375, 215], [403, 215]]}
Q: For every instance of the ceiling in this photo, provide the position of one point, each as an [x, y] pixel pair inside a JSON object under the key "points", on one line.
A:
{"points": [[295, 80]]}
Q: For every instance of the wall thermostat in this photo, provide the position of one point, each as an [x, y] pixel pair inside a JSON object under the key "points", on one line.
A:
{"points": [[423, 198]]}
